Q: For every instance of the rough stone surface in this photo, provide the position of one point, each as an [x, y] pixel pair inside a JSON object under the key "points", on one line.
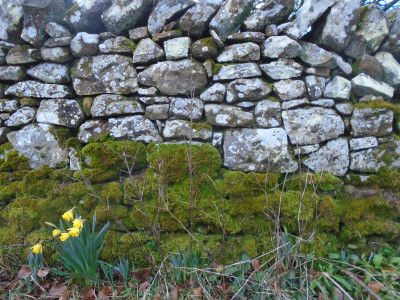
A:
{"points": [[57, 54], [113, 105], [282, 69], [38, 90], [14, 73], [344, 109], [177, 48], [364, 84], [392, 42], [332, 158], [306, 149], [101, 74], [205, 49], [8, 105], [339, 88], [258, 150], [11, 16], [58, 42], [341, 64], [323, 102], [3, 134], [235, 71], [391, 68], [363, 143], [371, 122], [316, 56], [153, 100], [147, 51], [152, 91], [289, 89], [315, 86], [21, 117], [56, 30], [247, 36], [157, 112], [295, 103], [365, 161], [50, 72], [280, 47], [85, 44], [313, 125], [185, 108], [268, 114], [240, 53], [62, 112], [228, 116], [324, 72], [91, 130], [138, 33], [369, 65], [178, 129], [247, 90], [119, 44], [20, 54], [216, 93]]}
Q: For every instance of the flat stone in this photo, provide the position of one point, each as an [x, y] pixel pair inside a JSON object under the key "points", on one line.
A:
{"points": [[50, 72], [216, 93], [332, 158], [185, 108], [363, 143], [119, 44], [307, 126], [282, 69], [303, 150], [371, 122], [369, 65], [85, 44], [341, 64], [134, 128], [114, 105], [58, 42], [271, 30], [235, 71], [247, 90], [61, 112], [295, 103], [344, 109], [240, 53], [177, 48], [316, 86], [364, 84], [19, 55], [21, 117], [280, 47], [205, 49], [153, 100], [91, 130], [324, 72], [217, 39], [228, 116], [339, 88], [138, 33], [8, 105], [246, 104], [268, 114], [38, 90], [289, 89], [56, 30], [166, 35], [113, 74], [178, 130], [316, 56], [147, 51], [247, 36], [152, 91], [217, 140], [57, 54], [391, 68], [258, 150], [14, 73], [365, 161], [157, 112]]}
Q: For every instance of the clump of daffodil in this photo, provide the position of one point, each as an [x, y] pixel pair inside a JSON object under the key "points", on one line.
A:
{"points": [[78, 223], [56, 232], [37, 249], [69, 215], [73, 231], [64, 236]]}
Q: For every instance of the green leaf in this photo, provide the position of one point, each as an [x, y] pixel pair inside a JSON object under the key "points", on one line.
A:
{"points": [[377, 260]]}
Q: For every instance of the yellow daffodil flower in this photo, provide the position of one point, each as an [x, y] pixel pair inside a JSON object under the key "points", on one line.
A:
{"points": [[56, 232], [37, 249], [73, 231], [78, 223], [64, 236], [69, 215]]}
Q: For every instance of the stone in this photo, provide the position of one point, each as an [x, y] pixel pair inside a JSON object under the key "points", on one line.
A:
{"points": [[166, 35], [37, 143], [125, 14], [339, 88], [218, 41], [235, 71], [289, 89], [74, 159], [38, 90], [21, 117], [177, 48], [13, 73], [114, 105], [316, 56], [178, 130], [11, 17], [50, 72], [138, 33], [61, 112], [303, 150], [205, 49], [283, 68], [2, 57], [56, 30], [371, 122], [295, 103], [323, 102], [215, 93], [57, 54], [344, 109], [247, 90], [134, 128], [307, 126], [164, 12], [157, 112], [113, 74], [119, 44], [341, 64], [280, 47], [19, 55], [8, 105], [268, 114], [271, 30], [363, 143], [228, 116], [230, 16], [247, 36], [340, 25], [364, 84], [246, 104], [392, 42], [185, 108], [147, 51], [332, 158], [183, 77], [324, 72], [316, 86], [58, 42], [85, 44], [258, 150], [208, 66], [217, 140], [153, 100], [152, 91], [391, 68], [91, 130], [269, 12], [240, 53], [85, 15], [365, 161], [3, 134], [306, 15], [369, 65]]}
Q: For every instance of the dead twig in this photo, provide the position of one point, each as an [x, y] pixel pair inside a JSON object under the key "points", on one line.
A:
{"points": [[362, 284]]}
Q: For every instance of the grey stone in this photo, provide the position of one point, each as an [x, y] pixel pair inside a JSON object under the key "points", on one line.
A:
{"points": [[371, 122], [341, 64], [8, 105], [50, 72], [323, 102], [205, 49], [74, 160], [258, 150], [119, 44], [157, 112], [217, 140], [247, 90], [177, 48], [391, 68], [11, 16], [316, 86], [209, 69], [61, 112], [147, 51], [363, 143], [228, 116], [282, 69], [20, 54], [185, 108], [153, 100], [332, 158], [369, 65], [246, 104], [344, 109], [392, 42], [102, 74], [247, 36], [37, 143], [38, 90], [280, 47], [57, 54], [240, 53], [3, 134], [114, 105], [365, 161], [14, 73], [85, 44], [268, 114], [339, 88], [58, 42], [182, 77], [216, 93], [165, 35], [289, 89], [303, 150], [364, 84], [21, 117], [138, 33], [91, 130], [56, 30], [316, 56], [152, 91], [306, 126], [235, 71], [178, 129], [271, 30], [324, 72], [135, 128], [295, 103], [218, 41]]}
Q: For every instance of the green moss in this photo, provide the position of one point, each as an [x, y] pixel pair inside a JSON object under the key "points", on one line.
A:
{"points": [[74, 143], [385, 178], [378, 103], [215, 67], [6, 194], [72, 9], [13, 162], [5, 147], [62, 135], [208, 42], [121, 212], [329, 215], [5, 177], [312, 181], [200, 126], [363, 14], [271, 85], [10, 235], [94, 175]]}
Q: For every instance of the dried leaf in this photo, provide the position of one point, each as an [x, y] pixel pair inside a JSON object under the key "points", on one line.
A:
{"points": [[255, 264], [89, 294], [57, 290], [197, 292], [375, 286], [45, 284], [224, 288], [132, 285], [144, 286], [42, 273], [142, 275], [105, 292], [175, 292], [24, 272]]}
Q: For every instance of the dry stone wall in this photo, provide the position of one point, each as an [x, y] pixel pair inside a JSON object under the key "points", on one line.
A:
{"points": [[272, 90]]}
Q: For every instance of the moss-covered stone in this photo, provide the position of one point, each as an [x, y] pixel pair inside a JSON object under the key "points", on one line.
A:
{"points": [[311, 181], [95, 175], [13, 162]]}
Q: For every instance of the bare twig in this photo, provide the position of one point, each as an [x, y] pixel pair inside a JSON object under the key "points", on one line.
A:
{"points": [[362, 284]]}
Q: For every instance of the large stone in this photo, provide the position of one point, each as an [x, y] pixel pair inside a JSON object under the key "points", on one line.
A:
{"points": [[391, 68], [307, 14], [164, 12], [134, 128], [205, 49], [85, 44], [55, 30], [369, 65], [113, 74], [364, 84], [371, 122], [11, 16], [119, 44], [289, 89], [185, 108], [178, 129], [316, 56], [315, 86], [147, 51], [268, 114], [91, 130], [230, 16], [392, 42], [8, 105], [37, 143], [366, 161], [50, 72], [363, 143], [38, 90], [216, 93], [240, 53], [267, 13], [339, 88], [175, 78], [258, 150], [57, 54], [235, 71], [177, 48], [58, 42], [228, 116], [280, 47], [20, 54], [340, 25], [307, 126], [332, 158], [114, 105], [125, 14], [247, 90], [21, 117], [138, 33], [14, 73], [282, 69], [341, 64], [157, 112], [61, 112], [295, 103]]}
